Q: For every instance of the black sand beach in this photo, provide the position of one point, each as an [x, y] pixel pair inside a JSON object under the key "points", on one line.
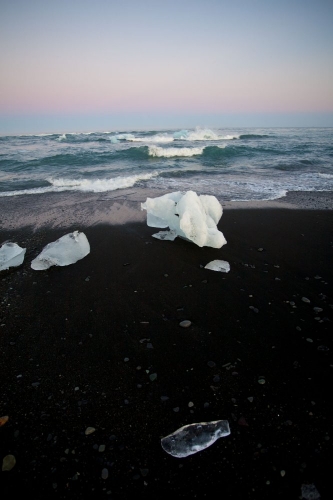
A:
{"points": [[78, 345]]}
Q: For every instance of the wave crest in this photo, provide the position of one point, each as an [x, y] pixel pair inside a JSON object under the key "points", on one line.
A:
{"points": [[171, 152]]}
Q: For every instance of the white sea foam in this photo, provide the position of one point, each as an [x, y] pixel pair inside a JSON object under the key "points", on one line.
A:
{"points": [[62, 137], [85, 185], [203, 135], [326, 176], [153, 138], [170, 152]]}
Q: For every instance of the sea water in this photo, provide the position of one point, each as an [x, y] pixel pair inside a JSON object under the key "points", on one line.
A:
{"points": [[231, 164]]}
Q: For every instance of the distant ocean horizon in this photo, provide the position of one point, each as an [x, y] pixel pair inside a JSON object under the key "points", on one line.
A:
{"points": [[235, 164]]}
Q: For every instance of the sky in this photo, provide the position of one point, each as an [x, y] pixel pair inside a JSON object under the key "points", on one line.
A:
{"points": [[84, 65]]}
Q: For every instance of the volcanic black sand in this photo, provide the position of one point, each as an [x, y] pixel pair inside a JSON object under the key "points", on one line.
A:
{"points": [[79, 343]]}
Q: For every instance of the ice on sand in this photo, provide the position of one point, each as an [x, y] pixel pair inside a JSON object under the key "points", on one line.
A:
{"points": [[218, 265], [194, 437], [65, 251], [11, 255], [191, 216]]}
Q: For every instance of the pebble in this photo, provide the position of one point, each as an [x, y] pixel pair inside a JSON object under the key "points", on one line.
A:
{"points": [[176, 409], [89, 430], [211, 364], [305, 299], [254, 309], [283, 473], [190, 404], [153, 376], [8, 462], [309, 340], [318, 309], [261, 381], [101, 448], [185, 324], [250, 399], [105, 474]]}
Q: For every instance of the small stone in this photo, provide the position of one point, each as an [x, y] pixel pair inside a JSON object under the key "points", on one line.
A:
{"points": [[254, 309], [8, 462], [260, 249], [310, 492], [150, 346], [323, 348], [250, 399], [105, 474], [89, 430], [282, 473], [309, 340], [153, 376], [185, 323], [101, 448], [126, 359], [261, 381], [305, 299], [318, 309], [164, 398], [3, 420], [242, 422], [190, 404], [144, 472], [176, 409], [211, 364]]}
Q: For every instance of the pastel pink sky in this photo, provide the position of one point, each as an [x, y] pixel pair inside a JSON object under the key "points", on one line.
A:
{"points": [[160, 57]]}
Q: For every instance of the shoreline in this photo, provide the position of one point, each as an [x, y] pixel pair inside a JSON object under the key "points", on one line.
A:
{"points": [[68, 209], [80, 342]]}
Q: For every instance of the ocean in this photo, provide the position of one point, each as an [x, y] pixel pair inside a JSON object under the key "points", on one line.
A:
{"points": [[232, 164]]}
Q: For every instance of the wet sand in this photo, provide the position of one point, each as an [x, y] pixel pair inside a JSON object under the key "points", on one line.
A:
{"points": [[79, 343]]}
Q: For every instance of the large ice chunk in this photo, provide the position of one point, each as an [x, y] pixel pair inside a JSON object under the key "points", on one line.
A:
{"points": [[66, 250], [11, 255], [194, 437], [191, 216]]}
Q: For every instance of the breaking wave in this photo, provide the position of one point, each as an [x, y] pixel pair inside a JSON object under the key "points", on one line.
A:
{"points": [[85, 185], [171, 152]]}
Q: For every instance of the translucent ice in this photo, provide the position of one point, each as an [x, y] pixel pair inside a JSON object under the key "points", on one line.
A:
{"points": [[66, 250], [218, 265], [11, 255], [191, 216], [165, 235], [194, 437]]}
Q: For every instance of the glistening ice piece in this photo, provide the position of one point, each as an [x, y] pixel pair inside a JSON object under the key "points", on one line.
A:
{"points": [[190, 216], [11, 255], [66, 250], [194, 437], [218, 265]]}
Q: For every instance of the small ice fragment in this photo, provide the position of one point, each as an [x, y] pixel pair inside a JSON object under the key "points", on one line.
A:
{"points": [[11, 255], [66, 250], [165, 235], [218, 265], [192, 438]]}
